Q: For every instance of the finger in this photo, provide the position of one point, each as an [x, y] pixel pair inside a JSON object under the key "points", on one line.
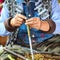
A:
{"points": [[19, 19], [21, 16], [29, 23], [33, 26], [18, 24], [31, 19], [34, 20]]}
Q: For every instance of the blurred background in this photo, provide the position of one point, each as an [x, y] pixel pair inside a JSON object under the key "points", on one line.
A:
{"points": [[59, 1]]}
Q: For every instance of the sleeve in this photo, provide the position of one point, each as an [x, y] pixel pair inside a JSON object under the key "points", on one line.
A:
{"points": [[56, 15], [3, 17]]}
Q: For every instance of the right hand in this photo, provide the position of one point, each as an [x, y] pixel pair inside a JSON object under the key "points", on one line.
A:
{"points": [[17, 20]]}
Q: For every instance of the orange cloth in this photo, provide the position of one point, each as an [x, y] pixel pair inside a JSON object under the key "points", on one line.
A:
{"points": [[3, 40]]}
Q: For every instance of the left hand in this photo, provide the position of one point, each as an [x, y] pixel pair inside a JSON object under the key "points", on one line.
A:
{"points": [[34, 22]]}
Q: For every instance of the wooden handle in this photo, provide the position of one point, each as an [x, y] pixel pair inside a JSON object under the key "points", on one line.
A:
{"points": [[3, 40]]}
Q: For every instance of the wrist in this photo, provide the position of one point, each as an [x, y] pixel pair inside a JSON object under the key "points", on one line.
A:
{"points": [[8, 25], [48, 26], [11, 23], [44, 26]]}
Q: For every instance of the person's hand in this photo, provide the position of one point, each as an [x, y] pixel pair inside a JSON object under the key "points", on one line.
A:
{"points": [[34, 22], [17, 20]]}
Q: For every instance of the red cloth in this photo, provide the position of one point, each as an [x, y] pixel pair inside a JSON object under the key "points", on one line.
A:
{"points": [[1, 1], [0, 9]]}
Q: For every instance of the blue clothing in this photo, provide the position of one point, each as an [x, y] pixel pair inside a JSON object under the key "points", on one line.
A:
{"points": [[37, 36]]}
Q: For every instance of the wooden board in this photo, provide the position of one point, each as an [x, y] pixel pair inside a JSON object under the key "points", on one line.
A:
{"points": [[3, 40]]}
